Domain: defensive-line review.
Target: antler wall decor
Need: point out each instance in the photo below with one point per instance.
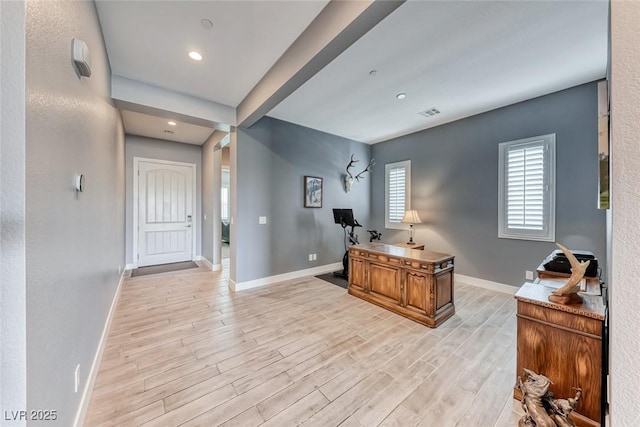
(348, 178)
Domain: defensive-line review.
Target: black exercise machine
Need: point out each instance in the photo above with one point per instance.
(345, 218)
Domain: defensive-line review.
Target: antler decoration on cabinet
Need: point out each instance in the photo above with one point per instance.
(568, 294)
(348, 178)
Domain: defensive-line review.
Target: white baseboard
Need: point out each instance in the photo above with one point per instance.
(95, 366)
(235, 287)
(129, 266)
(209, 265)
(206, 263)
(487, 284)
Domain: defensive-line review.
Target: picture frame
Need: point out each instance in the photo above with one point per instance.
(603, 145)
(312, 191)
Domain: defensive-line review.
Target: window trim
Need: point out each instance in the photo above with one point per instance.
(548, 235)
(387, 167)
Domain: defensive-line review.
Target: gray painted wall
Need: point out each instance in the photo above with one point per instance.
(13, 307)
(139, 146)
(455, 182)
(74, 242)
(272, 158)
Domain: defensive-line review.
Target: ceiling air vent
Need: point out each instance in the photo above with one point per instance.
(168, 131)
(430, 112)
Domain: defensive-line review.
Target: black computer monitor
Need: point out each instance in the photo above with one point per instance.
(344, 216)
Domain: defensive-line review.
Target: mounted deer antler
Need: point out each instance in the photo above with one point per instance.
(372, 162)
(348, 178)
(352, 162)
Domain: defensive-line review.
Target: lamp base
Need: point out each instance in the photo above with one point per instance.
(411, 242)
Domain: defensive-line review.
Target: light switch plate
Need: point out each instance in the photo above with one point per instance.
(262, 220)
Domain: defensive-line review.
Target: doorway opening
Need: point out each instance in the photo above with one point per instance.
(225, 203)
(164, 212)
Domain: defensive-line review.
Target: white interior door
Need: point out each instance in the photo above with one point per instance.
(165, 213)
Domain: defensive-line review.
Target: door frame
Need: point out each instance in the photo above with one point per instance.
(136, 201)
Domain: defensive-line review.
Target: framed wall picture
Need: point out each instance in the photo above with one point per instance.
(603, 144)
(312, 192)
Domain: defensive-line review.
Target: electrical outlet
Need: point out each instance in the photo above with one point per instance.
(528, 275)
(262, 220)
(315, 257)
(76, 379)
(310, 257)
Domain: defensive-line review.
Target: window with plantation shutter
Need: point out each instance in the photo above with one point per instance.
(398, 193)
(526, 189)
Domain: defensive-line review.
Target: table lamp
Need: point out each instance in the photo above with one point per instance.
(411, 217)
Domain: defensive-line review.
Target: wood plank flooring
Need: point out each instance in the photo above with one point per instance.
(185, 351)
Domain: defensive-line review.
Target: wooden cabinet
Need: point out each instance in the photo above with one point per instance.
(357, 274)
(563, 343)
(384, 281)
(412, 283)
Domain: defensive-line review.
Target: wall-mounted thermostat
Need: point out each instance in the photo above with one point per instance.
(79, 182)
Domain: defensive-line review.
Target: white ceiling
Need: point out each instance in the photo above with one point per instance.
(158, 127)
(149, 41)
(461, 57)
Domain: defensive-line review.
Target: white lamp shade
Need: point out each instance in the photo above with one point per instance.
(411, 217)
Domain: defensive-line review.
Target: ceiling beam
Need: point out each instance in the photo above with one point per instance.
(145, 98)
(338, 26)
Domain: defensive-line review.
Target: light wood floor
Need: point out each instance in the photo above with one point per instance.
(185, 351)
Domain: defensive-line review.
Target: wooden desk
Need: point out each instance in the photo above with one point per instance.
(416, 246)
(563, 343)
(415, 284)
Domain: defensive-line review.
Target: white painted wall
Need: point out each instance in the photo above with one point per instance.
(625, 204)
(13, 339)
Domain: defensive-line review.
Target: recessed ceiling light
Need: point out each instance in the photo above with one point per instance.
(196, 56)
(172, 123)
(401, 95)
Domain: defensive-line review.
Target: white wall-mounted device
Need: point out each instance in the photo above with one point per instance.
(81, 58)
(79, 182)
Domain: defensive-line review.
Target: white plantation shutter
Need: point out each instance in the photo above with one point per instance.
(526, 189)
(398, 192)
(397, 196)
